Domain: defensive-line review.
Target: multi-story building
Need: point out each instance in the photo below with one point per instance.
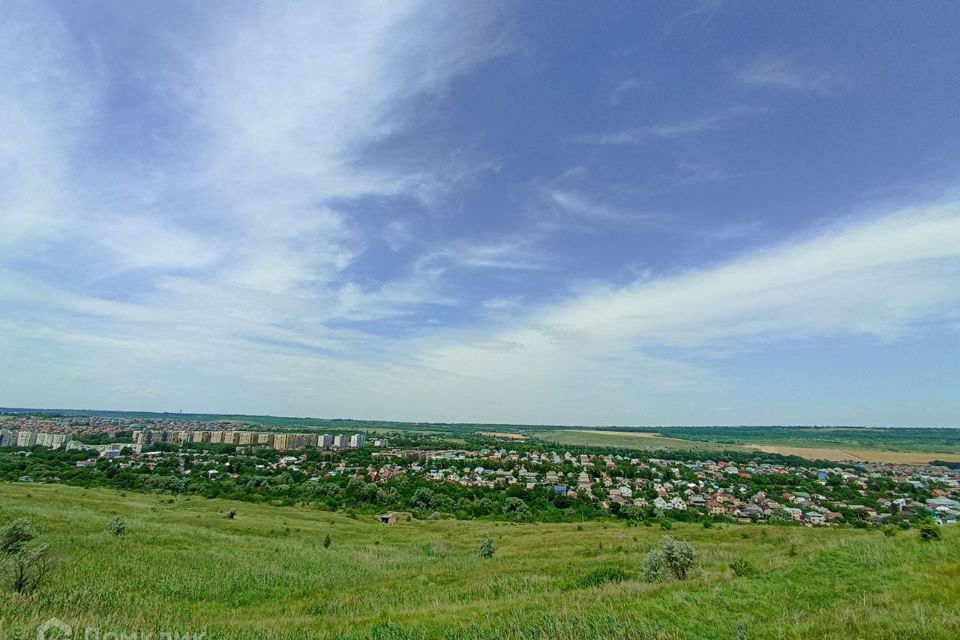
(143, 436)
(200, 437)
(26, 438)
(357, 440)
(265, 439)
(6, 438)
(325, 441)
(216, 437)
(247, 437)
(284, 441)
(381, 442)
(53, 440)
(231, 437)
(341, 441)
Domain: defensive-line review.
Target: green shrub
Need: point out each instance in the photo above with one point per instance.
(929, 532)
(672, 558)
(327, 541)
(117, 526)
(741, 567)
(487, 548)
(232, 514)
(24, 564)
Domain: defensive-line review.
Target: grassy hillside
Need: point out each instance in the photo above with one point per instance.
(183, 566)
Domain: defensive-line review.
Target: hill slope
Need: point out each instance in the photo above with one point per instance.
(184, 567)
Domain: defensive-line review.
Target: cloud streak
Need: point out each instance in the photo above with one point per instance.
(788, 74)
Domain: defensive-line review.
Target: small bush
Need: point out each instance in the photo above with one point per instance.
(487, 548)
(672, 557)
(327, 541)
(25, 563)
(929, 532)
(232, 514)
(741, 567)
(655, 566)
(601, 576)
(117, 526)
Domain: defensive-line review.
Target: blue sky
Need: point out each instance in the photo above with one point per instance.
(540, 212)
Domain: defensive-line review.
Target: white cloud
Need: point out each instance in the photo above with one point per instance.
(875, 278)
(44, 105)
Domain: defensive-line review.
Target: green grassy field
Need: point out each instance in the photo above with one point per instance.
(934, 441)
(908, 446)
(183, 566)
(627, 440)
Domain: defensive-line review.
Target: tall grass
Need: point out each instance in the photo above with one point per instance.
(183, 566)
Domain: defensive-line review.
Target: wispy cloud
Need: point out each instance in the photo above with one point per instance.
(570, 209)
(673, 130)
(870, 277)
(877, 279)
(788, 74)
(516, 252)
(626, 87)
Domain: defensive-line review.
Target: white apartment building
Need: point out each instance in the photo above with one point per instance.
(26, 438)
(53, 440)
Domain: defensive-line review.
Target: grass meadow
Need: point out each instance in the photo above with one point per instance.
(183, 566)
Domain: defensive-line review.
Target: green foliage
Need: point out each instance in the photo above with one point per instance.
(929, 532)
(672, 558)
(741, 567)
(117, 526)
(232, 514)
(24, 564)
(487, 548)
(327, 540)
(15, 536)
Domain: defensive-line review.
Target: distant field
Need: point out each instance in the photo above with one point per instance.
(927, 441)
(857, 455)
(909, 446)
(626, 440)
(183, 566)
